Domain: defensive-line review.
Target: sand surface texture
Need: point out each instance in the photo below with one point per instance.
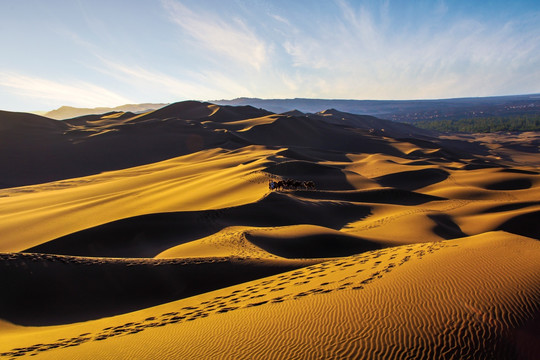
(157, 236)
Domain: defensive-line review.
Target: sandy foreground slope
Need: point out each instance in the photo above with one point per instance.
(476, 297)
(410, 245)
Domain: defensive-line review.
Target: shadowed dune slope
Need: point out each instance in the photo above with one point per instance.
(424, 301)
(148, 235)
(41, 150)
(308, 242)
(195, 110)
(371, 123)
(76, 289)
(413, 179)
(182, 110)
(20, 122)
(524, 224)
(97, 120)
(386, 195)
(316, 134)
(31, 145)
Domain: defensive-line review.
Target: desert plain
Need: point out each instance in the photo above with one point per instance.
(157, 236)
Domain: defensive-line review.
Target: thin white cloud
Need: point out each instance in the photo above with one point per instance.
(203, 85)
(231, 38)
(281, 19)
(308, 52)
(364, 56)
(362, 26)
(75, 93)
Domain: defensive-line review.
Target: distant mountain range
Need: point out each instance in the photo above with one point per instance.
(68, 112)
(408, 111)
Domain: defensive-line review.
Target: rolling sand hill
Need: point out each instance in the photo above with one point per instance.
(156, 235)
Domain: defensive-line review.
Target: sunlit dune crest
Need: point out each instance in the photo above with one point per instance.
(198, 231)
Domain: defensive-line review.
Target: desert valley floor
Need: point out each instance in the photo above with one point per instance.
(156, 236)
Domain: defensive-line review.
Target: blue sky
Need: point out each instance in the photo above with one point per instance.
(91, 53)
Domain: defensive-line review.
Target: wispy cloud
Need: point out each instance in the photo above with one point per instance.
(203, 85)
(75, 93)
(231, 38)
(372, 53)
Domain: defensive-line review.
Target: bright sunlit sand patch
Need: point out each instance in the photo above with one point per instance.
(207, 180)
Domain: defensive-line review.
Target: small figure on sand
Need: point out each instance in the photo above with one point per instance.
(291, 184)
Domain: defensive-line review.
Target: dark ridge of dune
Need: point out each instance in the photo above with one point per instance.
(33, 149)
(413, 179)
(439, 155)
(291, 153)
(524, 224)
(91, 120)
(446, 227)
(519, 171)
(23, 122)
(314, 155)
(204, 111)
(139, 236)
(280, 209)
(445, 149)
(325, 177)
(512, 184)
(419, 163)
(385, 196)
(293, 113)
(183, 110)
(149, 235)
(478, 164)
(313, 133)
(424, 144)
(236, 113)
(510, 207)
(371, 123)
(313, 246)
(529, 147)
(74, 289)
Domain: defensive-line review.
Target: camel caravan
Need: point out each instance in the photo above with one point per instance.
(291, 184)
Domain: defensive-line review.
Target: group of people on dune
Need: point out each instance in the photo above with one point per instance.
(291, 184)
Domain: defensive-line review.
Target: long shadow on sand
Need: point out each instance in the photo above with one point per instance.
(73, 289)
(385, 196)
(414, 179)
(524, 224)
(149, 235)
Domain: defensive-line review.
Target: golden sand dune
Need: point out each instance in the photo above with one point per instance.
(432, 300)
(157, 236)
(290, 242)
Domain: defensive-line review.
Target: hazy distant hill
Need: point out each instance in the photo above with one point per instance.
(68, 112)
(407, 111)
